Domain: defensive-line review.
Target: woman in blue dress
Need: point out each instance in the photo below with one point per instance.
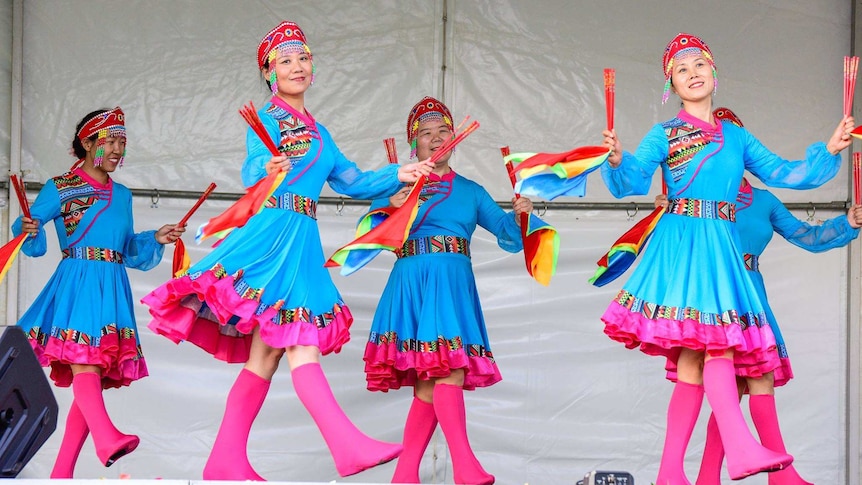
(263, 292)
(690, 299)
(759, 215)
(82, 324)
(428, 330)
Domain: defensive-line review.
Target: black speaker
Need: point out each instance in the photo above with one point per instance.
(607, 478)
(28, 409)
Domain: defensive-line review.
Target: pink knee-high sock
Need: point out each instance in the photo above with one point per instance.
(765, 418)
(452, 414)
(228, 459)
(420, 425)
(745, 456)
(682, 412)
(73, 440)
(713, 456)
(351, 449)
(110, 443)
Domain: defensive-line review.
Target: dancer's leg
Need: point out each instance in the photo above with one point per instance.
(110, 443)
(351, 449)
(73, 440)
(420, 425)
(745, 456)
(765, 418)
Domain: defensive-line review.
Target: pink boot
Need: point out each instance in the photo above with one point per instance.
(73, 440)
(765, 419)
(713, 456)
(682, 412)
(110, 443)
(745, 456)
(228, 459)
(450, 410)
(421, 422)
(352, 450)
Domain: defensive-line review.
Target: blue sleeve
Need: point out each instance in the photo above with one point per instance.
(634, 174)
(142, 251)
(818, 167)
(498, 222)
(834, 233)
(346, 178)
(378, 204)
(45, 209)
(257, 154)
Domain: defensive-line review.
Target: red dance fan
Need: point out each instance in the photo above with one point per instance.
(255, 196)
(851, 66)
(182, 261)
(391, 152)
(610, 92)
(857, 178)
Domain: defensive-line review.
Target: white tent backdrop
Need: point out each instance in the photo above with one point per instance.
(531, 73)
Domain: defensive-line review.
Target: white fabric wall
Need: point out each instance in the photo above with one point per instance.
(530, 72)
(5, 80)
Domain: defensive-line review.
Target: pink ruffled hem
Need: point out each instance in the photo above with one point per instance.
(664, 337)
(175, 307)
(780, 368)
(119, 359)
(388, 368)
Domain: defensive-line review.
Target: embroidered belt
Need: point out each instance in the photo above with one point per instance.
(93, 254)
(434, 244)
(293, 202)
(752, 262)
(706, 209)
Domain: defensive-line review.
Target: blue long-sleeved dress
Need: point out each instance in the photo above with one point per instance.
(757, 219)
(85, 313)
(691, 289)
(429, 319)
(269, 273)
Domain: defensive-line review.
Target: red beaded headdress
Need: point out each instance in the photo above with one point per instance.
(109, 123)
(727, 114)
(681, 45)
(426, 109)
(285, 38)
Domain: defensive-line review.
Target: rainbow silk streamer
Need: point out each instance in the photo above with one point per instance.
(10, 250)
(381, 229)
(550, 175)
(541, 240)
(626, 249)
(541, 247)
(242, 210)
(182, 261)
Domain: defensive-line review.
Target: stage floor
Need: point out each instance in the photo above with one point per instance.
(75, 481)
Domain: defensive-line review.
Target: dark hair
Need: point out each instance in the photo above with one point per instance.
(77, 146)
(265, 77)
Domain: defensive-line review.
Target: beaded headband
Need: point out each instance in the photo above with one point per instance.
(109, 123)
(683, 45)
(727, 114)
(285, 38)
(426, 109)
